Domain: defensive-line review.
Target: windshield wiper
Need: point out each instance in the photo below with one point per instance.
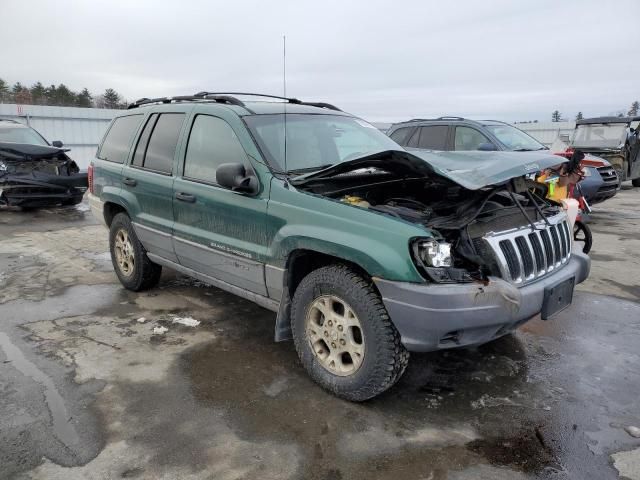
(299, 171)
(530, 149)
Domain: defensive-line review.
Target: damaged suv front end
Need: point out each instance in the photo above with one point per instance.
(493, 252)
(38, 175)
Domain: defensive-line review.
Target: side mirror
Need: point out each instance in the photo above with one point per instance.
(487, 147)
(57, 144)
(234, 177)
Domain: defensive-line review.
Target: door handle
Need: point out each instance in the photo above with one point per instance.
(185, 197)
(130, 181)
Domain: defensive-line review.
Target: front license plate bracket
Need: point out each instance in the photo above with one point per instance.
(557, 298)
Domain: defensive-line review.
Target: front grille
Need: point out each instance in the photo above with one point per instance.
(608, 174)
(523, 255)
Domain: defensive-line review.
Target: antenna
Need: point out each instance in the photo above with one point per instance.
(284, 88)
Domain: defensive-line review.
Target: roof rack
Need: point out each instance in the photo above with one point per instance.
(225, 97)
(9, 120)
(433, 119)
(186, 98)
(295, 101)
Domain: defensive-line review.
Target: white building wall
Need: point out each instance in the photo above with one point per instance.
(80, 129)
(548, 133)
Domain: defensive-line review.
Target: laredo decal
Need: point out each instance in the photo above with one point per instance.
(224, 248)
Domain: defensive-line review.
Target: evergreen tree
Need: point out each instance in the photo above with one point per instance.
(65, 97)
(579, 116)
(111, 99)
(39, 94)
(4, 91)
(51, 94)
(556, 116)
(84, 99)
(635, 107)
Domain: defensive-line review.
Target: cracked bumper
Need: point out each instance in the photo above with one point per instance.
(432, 317)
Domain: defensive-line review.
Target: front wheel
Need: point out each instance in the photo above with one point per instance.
(133, 268)
(344, 336)
(582, 234)
(635, 182)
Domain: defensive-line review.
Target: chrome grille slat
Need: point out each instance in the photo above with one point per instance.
(524, 255)
(538, 252)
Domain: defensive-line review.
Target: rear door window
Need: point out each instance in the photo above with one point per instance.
(143, 141)
(212, 142)
(116, 145)
(469, 139)
(433, 137)
(162, 144)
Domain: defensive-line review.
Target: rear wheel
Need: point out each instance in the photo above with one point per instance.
(130, 262)
(635, 182)
(343, 334)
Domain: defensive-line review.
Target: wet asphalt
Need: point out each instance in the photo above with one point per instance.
(87, 390)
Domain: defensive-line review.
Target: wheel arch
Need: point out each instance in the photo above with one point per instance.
(300, 262)
(110, 210)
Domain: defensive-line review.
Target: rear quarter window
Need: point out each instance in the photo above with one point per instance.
(117, 142)
(400, 136)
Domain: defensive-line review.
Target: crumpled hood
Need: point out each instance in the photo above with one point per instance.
(476, 169)
(24, 151)
(472, 170)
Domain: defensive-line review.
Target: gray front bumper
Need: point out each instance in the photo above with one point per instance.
(435, 316)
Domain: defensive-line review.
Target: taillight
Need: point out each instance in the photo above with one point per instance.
(90, 178)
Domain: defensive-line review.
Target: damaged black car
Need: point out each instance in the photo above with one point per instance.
(35, 174)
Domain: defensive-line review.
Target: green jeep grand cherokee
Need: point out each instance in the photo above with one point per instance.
(364, 250)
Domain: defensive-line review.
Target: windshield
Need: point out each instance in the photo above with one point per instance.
(21, 135)
(316, 141)
(514, 139)
(603, 135)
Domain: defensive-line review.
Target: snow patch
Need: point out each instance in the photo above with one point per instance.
(187, 321)
(633, 431)
(141, 320)
(160, 330)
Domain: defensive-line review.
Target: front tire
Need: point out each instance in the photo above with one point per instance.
(344, 336)
(582, 234)
(130, 262)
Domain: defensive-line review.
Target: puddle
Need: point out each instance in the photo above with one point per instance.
(62, 428)
(527, 451)
(422, 426)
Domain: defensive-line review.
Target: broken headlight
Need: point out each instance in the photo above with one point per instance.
(431, 253)
(434, 262)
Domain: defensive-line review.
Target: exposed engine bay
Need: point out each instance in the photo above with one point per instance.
(35, 175)
(455, 214)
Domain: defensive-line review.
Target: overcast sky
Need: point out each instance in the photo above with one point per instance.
(382, 60)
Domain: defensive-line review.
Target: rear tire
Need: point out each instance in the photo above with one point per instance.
(358, 354)
(635, 182)
(130, 262)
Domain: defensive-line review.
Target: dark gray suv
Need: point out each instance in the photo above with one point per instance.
(457, 133)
